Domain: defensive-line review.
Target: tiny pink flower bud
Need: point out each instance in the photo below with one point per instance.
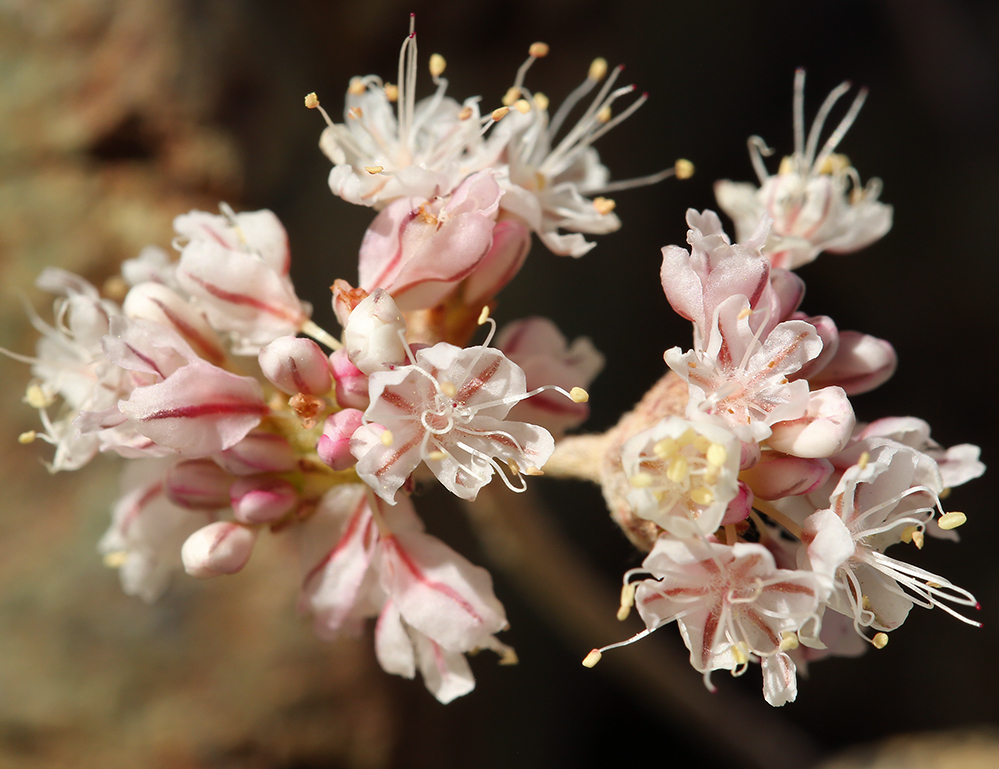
(219, 548)
(334, 444)
(258, 452)
(375, 333)
(198, 484)
(351, 382)
(261, 500)
(296, 365)
(345, 299)
(159, 303)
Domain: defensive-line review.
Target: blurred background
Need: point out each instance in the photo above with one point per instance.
(117, 115)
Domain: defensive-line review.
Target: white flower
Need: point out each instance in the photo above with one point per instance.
(447, 409)
(815, 199)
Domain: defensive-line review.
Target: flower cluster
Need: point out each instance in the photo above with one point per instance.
(772, 507)
(765, 508)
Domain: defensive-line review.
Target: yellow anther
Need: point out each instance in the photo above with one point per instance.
(386, 438)
(918, 538)
(739, 653)
(744, 313)
(514, 467)
(499, 113)
(523, 106)
(627, 601)
(511, 95)
(540, 101)
(115, 560)
(665, 448)
(641, 480)
(532, 470)
(683, 169)
(864, 459)
(115, 287)
(604, 205)
(356, 87)
(913, 534)
(36, 397)
(27, 437)
(701, 444)
(448, 388)
(392, 92)
(598, 69)
(355, 113)
(880, 640)
(374, 169)
(466, 113)
(786, 166)
(702, 496)
(835, 164)
(592, 658)
(711, 473)
(484, 314)
(716, 455)
(579, 395)
(437, 456)
(538, 50)
(677, 470)
(788, 641)
(311, 100)
(688, 437)
(508, 656)
(437, 65)
(952, 520)
(604, 115)
(865, 603)
(934, 584)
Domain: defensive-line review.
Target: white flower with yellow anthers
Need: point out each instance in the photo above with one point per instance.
(684, 475)
(558, 185)
(391, 146)
(815, 199)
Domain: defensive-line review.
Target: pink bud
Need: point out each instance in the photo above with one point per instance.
(261, 500)
(219, 548)
(198, 484)
(778, 475)
(159, 303)
(351, 382)
(334, 444)
(296, 365)
(822, 432)
(258, 452)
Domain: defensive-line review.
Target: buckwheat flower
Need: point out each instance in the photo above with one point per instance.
(881, 502)
(419, 250)
(815, 199)
(364, 558)
(237, 270)
(684, 475)
(447, 409)
(391, 146)
(731, 605)
(556, 182)
(147, 530)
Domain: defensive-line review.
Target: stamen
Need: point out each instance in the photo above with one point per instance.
(374, 169)
(391, 92)
(386, 438)
(598, 69)
(522, 106)
(312, 102)
(538, 50)
(684, 169)
(880, 640)
(541, 101)
(357, 87)
(604, 205)
(578, 395)
(27, 437)
(627, 600)
(788, 641)
(499, 113)
(437, 66)
(952, 520)
(592, 658)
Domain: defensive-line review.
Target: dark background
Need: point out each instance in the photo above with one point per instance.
(716, 73)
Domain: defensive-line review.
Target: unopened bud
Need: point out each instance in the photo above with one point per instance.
(198, 484)
(296, 365)
(351, 382)
(259, 452)
(219, 548)
(333, 446)
(375, 333)
(261, 500)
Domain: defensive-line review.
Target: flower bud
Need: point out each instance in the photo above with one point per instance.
(375, 333)
(334, 444)
(259, 452)
(219, 548)
(261, 500)
(296, 365)
(351, 382)
(198, 484)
